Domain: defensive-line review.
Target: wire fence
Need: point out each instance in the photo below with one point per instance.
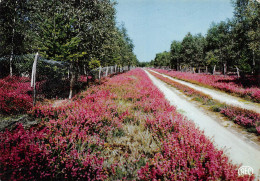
(25, 79)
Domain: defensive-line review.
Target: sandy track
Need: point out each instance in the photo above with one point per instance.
(239, 151)
(220, 96)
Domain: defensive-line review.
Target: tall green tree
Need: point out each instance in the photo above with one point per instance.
(14, 26)
(252, 15)
(73, 31)
(233, 43)
(219, 41)
(193, 50)
(245, 23)
(162, 59)
(187, 49)
(176, 56)
(199, 54)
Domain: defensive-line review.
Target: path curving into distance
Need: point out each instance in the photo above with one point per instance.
(238, 150)
(218, 95)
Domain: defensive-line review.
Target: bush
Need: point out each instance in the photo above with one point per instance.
(15, 95)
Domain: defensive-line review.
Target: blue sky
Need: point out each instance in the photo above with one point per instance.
(154, 24)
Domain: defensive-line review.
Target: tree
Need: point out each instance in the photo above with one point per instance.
(187, 49)
(230, 43)
(193, 50)
(176, 57)
(252, 15)
(162, 59)
(127, 48)
(220, 41)
(73, 31)
(211, 60)
(199, 54)
(13, 29)
(241, 29)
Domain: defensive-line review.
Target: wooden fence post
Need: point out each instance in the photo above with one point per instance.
(33, 78)
(238, 75)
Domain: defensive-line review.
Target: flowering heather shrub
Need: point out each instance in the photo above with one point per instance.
(72, 142)
(227, 84)
(186, 153)
(14, 96)
(243, 117)
(37, 155)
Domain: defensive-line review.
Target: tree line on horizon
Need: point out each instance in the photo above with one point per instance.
(233, 44)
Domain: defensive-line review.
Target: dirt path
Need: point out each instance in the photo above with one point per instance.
(238, 150)
(220, 96)
(58, 103)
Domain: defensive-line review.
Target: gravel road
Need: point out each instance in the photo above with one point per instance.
(220, 96)
(238, 150)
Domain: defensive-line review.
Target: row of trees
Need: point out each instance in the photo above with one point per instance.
(81, 32)
(65, 30)
(230, 44)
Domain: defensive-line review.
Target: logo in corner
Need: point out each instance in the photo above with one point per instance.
(245, 170)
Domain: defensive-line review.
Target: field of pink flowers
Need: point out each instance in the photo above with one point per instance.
(94, 137)
(14, 97)
(228, 84)
(248, 119)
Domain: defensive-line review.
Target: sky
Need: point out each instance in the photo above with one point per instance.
(154, 24)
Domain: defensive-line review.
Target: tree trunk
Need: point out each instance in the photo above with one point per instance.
(11, 60)
(78, 72)
(238, 75)
(33, 78)
(99, 73)
(214, 70)
(87, 80)
(107, 72)
(253, 69)
(193, 70)
(72, 80)
(85, 71)
(206, 69)
(12, 50)
(225, 69)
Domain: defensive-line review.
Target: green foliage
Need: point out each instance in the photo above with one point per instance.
(123, 48)
(211, 58)
(176, 56)
(14, 27)
(144, 64)
(118, 132)
(162, 59)
(231, 43)
(217, 107)
(71, 31)
(94, 63)
(192, 49)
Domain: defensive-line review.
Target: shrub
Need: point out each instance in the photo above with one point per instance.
(14, 95)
